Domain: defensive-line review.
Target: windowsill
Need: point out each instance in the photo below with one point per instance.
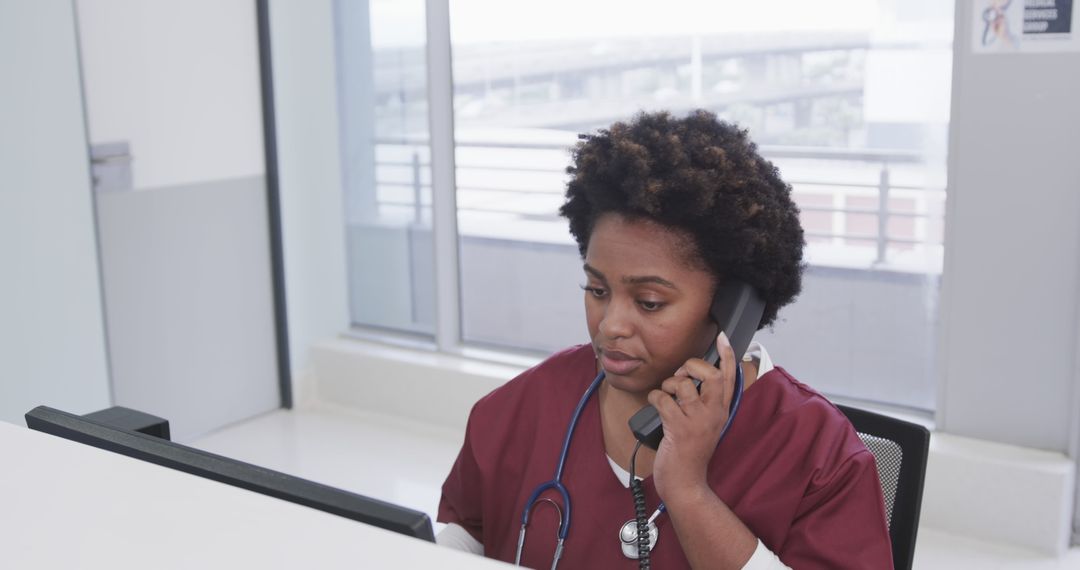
(394, 344)
(425, 385)
(519, 359)
(973, 488)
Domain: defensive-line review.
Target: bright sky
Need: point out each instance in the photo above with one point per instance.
(401, 22)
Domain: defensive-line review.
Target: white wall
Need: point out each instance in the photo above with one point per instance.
(1011, 282)
(1011, 288)
(147, 68)
(52, 342)
(189, 302)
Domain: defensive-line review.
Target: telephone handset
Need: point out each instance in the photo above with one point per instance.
(737, 309)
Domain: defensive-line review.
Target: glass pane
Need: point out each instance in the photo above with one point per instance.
(850, 100)
(382, 100)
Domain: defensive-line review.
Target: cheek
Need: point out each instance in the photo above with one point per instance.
(679, 341)
(592, 318)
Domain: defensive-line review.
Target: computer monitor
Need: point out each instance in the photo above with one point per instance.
(232, 472)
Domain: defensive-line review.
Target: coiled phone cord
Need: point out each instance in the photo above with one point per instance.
(640, 513)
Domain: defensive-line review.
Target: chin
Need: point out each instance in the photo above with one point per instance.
(630, 384)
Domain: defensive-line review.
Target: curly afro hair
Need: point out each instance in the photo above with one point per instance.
(700, 176)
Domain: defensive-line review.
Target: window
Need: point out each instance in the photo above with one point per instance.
(850, 100)
(382, 102)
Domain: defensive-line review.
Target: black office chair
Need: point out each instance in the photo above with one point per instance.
(900, 449)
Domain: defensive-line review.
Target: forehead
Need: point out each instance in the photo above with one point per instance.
(636, 246)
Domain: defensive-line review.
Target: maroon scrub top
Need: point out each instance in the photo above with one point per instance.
(791, 467)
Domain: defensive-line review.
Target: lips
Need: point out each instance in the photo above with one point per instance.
(620, 363)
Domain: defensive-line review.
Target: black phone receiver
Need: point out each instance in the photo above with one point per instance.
(737, 309)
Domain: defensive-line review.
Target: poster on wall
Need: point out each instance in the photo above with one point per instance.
(1019, 26)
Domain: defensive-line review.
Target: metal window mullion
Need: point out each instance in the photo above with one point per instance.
(440, 92)
(883, 214)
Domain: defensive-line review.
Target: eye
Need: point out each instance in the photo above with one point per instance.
(597, 292)
(650, 306)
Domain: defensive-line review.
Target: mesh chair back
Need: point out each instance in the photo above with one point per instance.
(889, 457)
(900, 449)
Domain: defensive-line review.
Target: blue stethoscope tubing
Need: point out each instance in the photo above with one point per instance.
(556, 482)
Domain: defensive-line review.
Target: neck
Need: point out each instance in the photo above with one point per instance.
(616, 407)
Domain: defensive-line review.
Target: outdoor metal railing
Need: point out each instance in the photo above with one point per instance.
(526, 181)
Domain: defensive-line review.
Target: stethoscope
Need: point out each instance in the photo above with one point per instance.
(990, 16)
(628, 532)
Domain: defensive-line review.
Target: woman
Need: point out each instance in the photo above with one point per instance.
(665, 211)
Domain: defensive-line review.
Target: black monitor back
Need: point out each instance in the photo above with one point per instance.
(232, 472)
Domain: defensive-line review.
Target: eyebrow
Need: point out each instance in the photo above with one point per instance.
(633, 279)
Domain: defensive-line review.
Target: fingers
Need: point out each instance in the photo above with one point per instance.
(717, 384)
(680, 396)
(683, 391)
(668, 408)
(728, 363)
(727, 358)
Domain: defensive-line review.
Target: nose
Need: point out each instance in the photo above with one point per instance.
(617, 321)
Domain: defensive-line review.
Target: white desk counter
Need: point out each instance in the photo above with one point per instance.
(67, 505)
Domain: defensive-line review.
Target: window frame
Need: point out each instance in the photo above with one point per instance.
(440, 85)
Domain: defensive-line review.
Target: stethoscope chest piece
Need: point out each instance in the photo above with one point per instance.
(628, 538)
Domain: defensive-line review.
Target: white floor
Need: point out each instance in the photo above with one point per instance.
(405, 463)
